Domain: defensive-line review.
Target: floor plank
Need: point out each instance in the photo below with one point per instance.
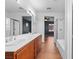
(49, 50)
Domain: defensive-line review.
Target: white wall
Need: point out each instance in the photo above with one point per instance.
(34, 19)
(61, 27)
(34, 24)
(40, 20)
(40, 25)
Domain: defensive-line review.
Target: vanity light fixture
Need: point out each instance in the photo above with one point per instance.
(29, 11)
(22, 9)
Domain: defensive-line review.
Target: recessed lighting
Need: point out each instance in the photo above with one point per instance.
(20, 8)
(49, 8)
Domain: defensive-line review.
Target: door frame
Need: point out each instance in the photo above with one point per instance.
(69, 29)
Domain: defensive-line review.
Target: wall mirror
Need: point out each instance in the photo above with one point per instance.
(12, 27)
(18, 20)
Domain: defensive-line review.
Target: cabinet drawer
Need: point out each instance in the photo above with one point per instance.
(9, 55)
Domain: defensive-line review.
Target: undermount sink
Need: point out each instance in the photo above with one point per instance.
(12, 41)
(16, 40)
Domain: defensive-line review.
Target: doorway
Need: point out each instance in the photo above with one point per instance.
(49, 26)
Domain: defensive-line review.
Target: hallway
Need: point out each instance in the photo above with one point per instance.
(49, 50)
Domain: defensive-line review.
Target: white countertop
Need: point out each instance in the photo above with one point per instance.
(20, 43)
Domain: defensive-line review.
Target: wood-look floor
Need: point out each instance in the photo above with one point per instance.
(49, 50)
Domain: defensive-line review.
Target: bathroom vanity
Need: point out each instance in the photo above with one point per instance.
(27, 49)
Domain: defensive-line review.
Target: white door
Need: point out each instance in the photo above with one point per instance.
(16, 28)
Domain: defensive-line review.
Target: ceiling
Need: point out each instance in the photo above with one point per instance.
(38, 5)
(42, 5)
(13, 6)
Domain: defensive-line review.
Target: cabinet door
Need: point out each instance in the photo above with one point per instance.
(27, 52)
(37, 45)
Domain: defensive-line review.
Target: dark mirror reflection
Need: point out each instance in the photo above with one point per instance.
(26, 24)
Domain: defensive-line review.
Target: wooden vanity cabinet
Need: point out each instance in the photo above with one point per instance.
(26, 52)
(29, 51)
